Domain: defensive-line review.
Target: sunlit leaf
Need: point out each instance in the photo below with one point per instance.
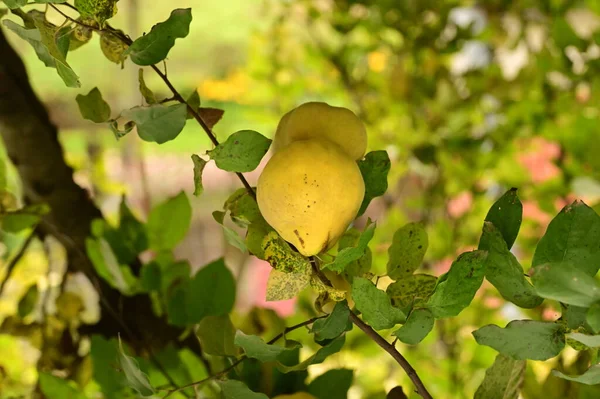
(93, 107)
(282, 286)
(241, 152)
(503, 379)
(281, 257)
(99, 10)
(144, 89)
(418, 324)
(107, 266)
(375, 305)
(524, 339)
(572, 237)
(169, 222)
(155, 46)
(463, 280)
(374, 169)
(158, 123)
(12, 4)
(406, 253)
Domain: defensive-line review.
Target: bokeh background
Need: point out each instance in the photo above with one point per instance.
(468, 98)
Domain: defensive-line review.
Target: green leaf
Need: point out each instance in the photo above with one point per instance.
(406, 253)
(56, 388)
(107, 266)
(565, 283)
(590, 377)
(93, 107)
(504, 271)
(524, 339)
(419, 323)
(199, 165)
(573, 316)
(232, 389)
(257, 235)
(375, 305)
(317, 358)
(231, 235)
(592, 341)
(333, 384)
(243, 208)
(158, 123)
(572, 237)
(210, 293)
(282, 286)
(169, 222)
(413, 290)
(374, 169)
(217, 334)
(144, 90)
(13, 4)
(114, 127)
(593, 317)
(14, 222)
(335, 324)
(503, 379)
(361, 266)
(99, 10)
(279, 255)
(28, 301)
(457, 291)
(506, 214)
(132, 231)
(352, 254)
(155, 46)
(194, 102)
(57, 46)
(136, 379)
(241, 152)
(255, 348)
(104, 354)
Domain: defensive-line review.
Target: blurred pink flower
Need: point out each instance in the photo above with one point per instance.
(537, 158)
(460, 204)
(532, 211)
(255, 289)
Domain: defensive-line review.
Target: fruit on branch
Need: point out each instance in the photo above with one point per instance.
(310, 191)
(317, 120)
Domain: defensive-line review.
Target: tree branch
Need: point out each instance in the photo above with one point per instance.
(391, 349)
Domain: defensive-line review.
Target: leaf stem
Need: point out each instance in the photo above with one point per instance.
(391, 349)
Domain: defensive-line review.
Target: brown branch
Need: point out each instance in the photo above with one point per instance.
(391, 349)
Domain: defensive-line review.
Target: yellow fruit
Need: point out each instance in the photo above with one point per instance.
(309, 192)
(297, 395)
(315, 120)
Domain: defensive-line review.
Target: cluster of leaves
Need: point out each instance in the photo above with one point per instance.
(564, 266)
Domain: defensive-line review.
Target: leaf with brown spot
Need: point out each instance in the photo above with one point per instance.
(210, 116)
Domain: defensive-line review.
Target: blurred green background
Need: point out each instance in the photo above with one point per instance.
(468, 98)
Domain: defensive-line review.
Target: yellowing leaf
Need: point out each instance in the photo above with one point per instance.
(282, 286)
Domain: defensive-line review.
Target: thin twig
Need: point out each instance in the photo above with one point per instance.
(243, 357)
(391, 349)
(17, 258)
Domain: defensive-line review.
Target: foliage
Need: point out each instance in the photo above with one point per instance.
(466, 128)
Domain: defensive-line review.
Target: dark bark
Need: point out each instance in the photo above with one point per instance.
(31, 141)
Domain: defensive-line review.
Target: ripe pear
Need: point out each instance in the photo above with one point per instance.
(316, 120)
(310, 191)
